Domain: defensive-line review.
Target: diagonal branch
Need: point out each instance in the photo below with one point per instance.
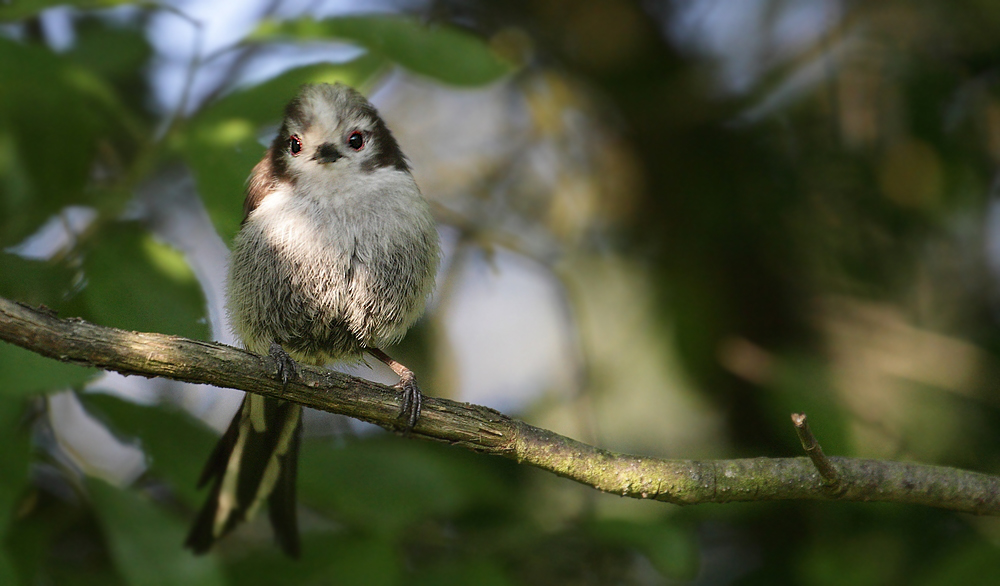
(485, 430)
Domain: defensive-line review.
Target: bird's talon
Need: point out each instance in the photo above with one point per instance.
(410, 403)
(288, 369)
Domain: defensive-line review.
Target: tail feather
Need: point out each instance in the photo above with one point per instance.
(281, 503)
(255, 459)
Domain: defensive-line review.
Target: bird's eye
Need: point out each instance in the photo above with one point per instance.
(356, 140)
(294, 145)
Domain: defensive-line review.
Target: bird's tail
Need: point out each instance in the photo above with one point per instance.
(255, 459)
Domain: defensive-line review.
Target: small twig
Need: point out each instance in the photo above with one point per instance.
(815, 452)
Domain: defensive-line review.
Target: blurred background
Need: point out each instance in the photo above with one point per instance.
(667, 225)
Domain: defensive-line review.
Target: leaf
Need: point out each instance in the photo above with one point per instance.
(671, 549)
(135, 282)
(52, 122)
(20, 9)
(222, 143)
(383, 484)
(176, 445)
(145, 542)
(326, 559)
(7, 574)
(442, 52)
(34, 282)
(461, 572)
(22, 372)
(14, 459)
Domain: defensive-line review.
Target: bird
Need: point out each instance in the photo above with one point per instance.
(335, 259)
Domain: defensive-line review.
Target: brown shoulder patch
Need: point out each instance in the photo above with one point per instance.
(261, 182)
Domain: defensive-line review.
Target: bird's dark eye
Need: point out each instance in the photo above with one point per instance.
(294, 145)
(356, 140)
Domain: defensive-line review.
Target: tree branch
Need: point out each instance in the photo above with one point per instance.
(485, 430)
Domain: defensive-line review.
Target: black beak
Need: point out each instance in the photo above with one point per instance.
(327, 153)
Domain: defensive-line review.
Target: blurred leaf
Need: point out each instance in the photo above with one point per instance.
(874, 556)
(23, 372)
(117, 52)
(145, 542)
(19, 9)
(801, 385)
(223, 142)
(14, 457)
(34, 282)
(55, 538)
(385, 484)
(326, 559)
(52, 122)
(462, 572)
(135, 282)
(969, 563)
(671, 549)
(175, 444)
(7, 575)
(443, 52)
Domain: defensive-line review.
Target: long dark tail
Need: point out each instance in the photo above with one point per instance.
(256, 459)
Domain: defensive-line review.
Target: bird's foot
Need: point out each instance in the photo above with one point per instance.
(288, 369)
(411, 402)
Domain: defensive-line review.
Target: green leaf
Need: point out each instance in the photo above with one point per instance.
(176, 445)
(965, 563)
(135, 282)
(146, 543)
(442, 52)
(34, 282)
(326, 559)
(23, 372)
(7, 574)
(462, 572)
(222, 143)
(19, 9)
(671, 549)
(63, 111)
(14, 460)
(384, 484)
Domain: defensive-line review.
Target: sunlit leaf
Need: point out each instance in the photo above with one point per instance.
(145, 541)
(52, 122)
(135, 282)
(224, 141)
(442, 52)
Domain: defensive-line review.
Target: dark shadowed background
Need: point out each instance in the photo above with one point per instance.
(667, 226)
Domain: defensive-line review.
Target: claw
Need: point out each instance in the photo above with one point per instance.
(411, 401)
(288, 369)
(409, 408)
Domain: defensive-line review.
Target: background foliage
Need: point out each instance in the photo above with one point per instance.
(741, 210)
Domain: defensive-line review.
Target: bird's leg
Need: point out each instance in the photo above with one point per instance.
(412, 398)
(287, 368)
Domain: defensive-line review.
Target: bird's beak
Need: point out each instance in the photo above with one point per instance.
(327, 153)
